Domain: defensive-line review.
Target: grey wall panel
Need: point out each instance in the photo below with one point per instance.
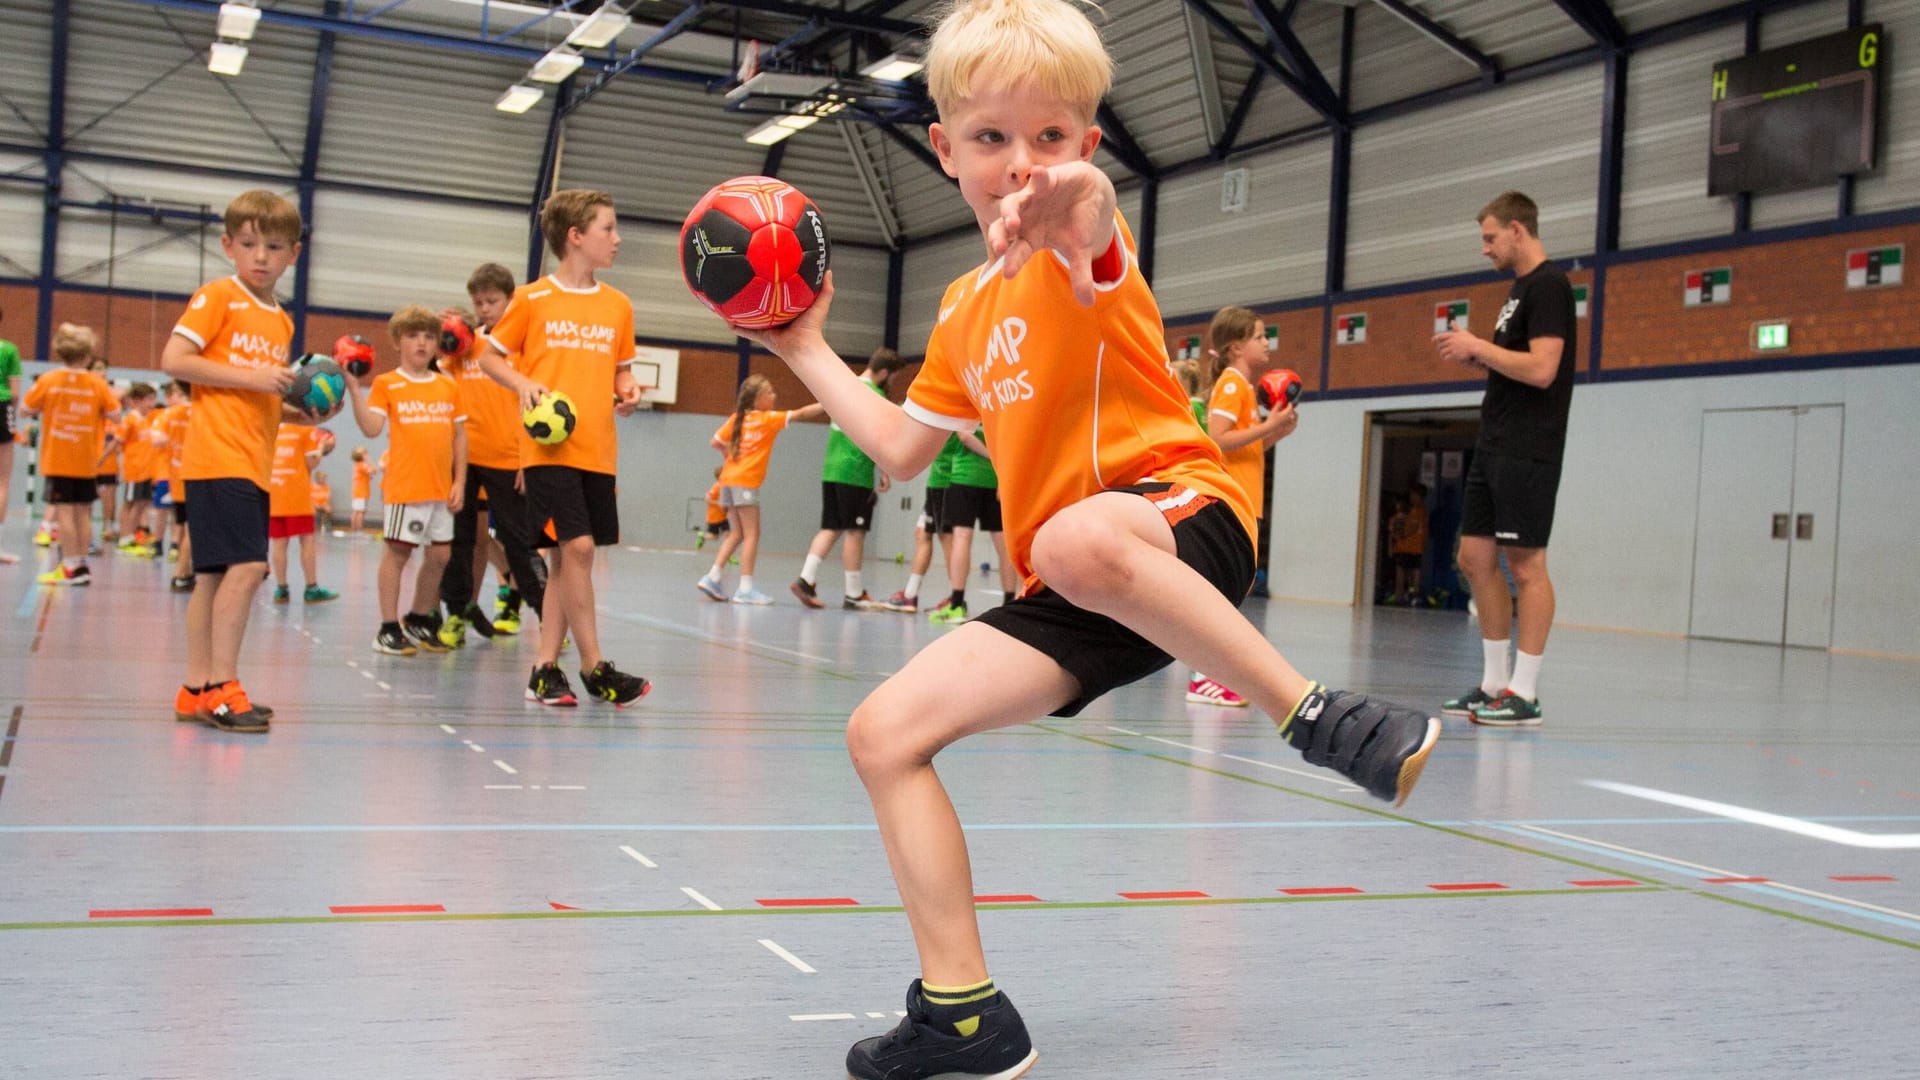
(23, 87)
(375, 252)
(857, 325)
(1664, 171)
(138, 85)
(649, 273)
(1896, 182)
(1512, 32)
(21, 211)
(1419, 179)
(1275, 248)
(1638, 15)
(665, 462)
(423, 120)
(931, 267)
(818, 162)
(1276, 109)
(141, 254)
(1392, 60)
(657, 147)
(1159, 101)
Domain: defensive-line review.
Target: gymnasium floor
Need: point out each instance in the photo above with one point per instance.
(693, 888)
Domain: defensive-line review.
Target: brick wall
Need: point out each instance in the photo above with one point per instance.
(19, 316)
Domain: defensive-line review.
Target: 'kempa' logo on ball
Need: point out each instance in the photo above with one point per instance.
(706, 247)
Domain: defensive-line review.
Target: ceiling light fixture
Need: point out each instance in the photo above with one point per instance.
(519, 98)
(897, 67)
(237, 21)
(600, 28)
(226, 58)
(557, 65)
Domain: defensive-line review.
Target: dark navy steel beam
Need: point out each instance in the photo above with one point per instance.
(1275, 23)
(309, 169)
(907, 142)
(1120, 143)
(1340, 175)
(1238, 118)
(896, 285)
(1260, 55)
(543, 183)
(1743, 201)
(770, 165)
(1446, 38)
(1613, 138)
(1148, 238)
(54, 165)
(1856, 14)
(1597, 19)
(674, 28)
(837, 19)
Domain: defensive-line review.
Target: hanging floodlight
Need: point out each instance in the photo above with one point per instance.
(557, 65)
(519, 98)
(226, 58)
(237, 21)
(600, 28)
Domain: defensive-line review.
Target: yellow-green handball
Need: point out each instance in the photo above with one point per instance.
(551, 419)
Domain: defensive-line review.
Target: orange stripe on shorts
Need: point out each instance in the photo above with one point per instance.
(1178, 503)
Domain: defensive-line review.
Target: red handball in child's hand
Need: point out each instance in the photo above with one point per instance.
(354, 353)
(1280, 386)
(755, 251)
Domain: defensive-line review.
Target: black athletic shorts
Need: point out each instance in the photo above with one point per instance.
(179, 513)
(564, 502)
(1100, 653)
(71, 489)
(107, 479)
(140, 491)
(228, 519)
(846, 507)
(1510, 499)
(6, 422)
(968, 506)
(933, 518)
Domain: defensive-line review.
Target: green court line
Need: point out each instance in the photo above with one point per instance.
(702, 913)
(1488, 840)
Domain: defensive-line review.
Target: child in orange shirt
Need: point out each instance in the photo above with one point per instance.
(132, 437)
(74, 405)
(1130, 537)
(427, 440)
(363, 471)
(746, 440)
(296, 451)
(233, 342)
(322, 497)
(572, 333)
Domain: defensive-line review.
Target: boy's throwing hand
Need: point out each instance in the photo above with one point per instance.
(1068, 208)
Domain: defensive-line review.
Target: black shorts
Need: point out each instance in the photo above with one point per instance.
(933, 515)
(228, 518)
(140, 491)
(6, 422)
(107, 479)
(846, 507)
(179, 513)
(715, 528)
(1100, 653)
(564, 502)
(967, 506)
(71, 489)
(1510, 499)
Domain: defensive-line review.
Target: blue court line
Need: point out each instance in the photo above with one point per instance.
(1750, 886)
(1062, 826)
(27, 601)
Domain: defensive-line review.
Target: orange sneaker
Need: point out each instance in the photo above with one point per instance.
(226, 707)
(186, 705)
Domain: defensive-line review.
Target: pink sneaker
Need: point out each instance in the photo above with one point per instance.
(1204, 691)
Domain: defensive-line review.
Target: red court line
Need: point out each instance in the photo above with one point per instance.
(387, 909)
(1604, 883)
(1468, 886)
(1189, 894)
(1735, 880)
(1340, 890)
(1860, 877)
(560, 907)
(151, 913)
(1009, 898)
(816, 901)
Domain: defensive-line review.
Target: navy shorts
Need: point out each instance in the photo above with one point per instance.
(228, 520)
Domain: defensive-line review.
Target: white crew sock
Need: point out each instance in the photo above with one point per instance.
(746, 584)
(855, 586)
(913, 586)
(810, 570)
(713, 573)
(1494, 673)
(1526, 676)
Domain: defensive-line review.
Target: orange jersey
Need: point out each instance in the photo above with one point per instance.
(170, 428)
(748, 468)
(1074, 400)
(1233, 401)
(493, 413)
(421, 413)
(573, 341)
(73, 407)
(363, 480)
(138, 455)
(291, 492)
(322, 497)
(108, 463)
(232, 430)
(715, 512)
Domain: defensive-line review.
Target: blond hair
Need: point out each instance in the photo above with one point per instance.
(1511, 206)
(1230, 326)
(73, 343)
(1188, 372)
(567, 210)
(272, 216)
(750, 391)
(1049, 44)
(413, 319)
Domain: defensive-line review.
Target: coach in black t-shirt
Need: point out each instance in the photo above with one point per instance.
(1516, 465)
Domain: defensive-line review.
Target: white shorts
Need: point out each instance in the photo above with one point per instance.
(359, 506)
(739, 496)
(419, 523)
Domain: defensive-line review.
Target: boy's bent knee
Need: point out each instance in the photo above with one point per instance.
(1080, 557)
(880, 741)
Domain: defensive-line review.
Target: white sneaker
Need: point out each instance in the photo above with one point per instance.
(754, 597)
(711, 587)
(8, 558)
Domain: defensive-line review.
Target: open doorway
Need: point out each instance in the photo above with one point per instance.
(1415, 474)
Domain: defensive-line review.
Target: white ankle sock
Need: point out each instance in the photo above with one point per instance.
(1526, 676)
(913, 585)
(1494, 673)
(810, 570)
(746, 584)
(855, 586)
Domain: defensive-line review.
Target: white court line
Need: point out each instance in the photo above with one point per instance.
(353, 663)
(717, 639)
(799, 964)
(1181, 745)
(506, 768)
(876, 1016)
(381, 685)
(1123, 731)
(1831, 833)
(639, 858)
(694, 894)
(448, 728)
(804, 1018)
(503, 787)
(476, 748)
(1717, 872)
(366, 673)
(1284, 769)
(566, 787)
(317, 641)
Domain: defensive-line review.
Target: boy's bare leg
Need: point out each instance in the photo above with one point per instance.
(959, 554)
(392, 565)
(277, 557)
(309, 559)
(750, 538)
(75, 521)
(853, 553)
(569, 604)
(232, 602)
(426, 585)
(1009, 584)
(200, 629)
(893, 737)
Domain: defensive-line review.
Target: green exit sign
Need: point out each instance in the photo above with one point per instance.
(1768, 336)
